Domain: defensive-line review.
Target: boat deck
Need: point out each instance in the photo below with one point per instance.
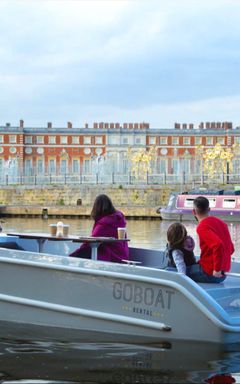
(226, 294)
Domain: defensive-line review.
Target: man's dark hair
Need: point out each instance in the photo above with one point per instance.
(102, 206)
(201, 204)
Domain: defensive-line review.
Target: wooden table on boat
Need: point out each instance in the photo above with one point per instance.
(93, 242)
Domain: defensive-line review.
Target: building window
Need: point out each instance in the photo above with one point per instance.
(138, 140)
(28, 139)
(152, 140)
(186, 140)
(237, 139)
(12, 139)
(112, 140)
(163, 166)
(125, 140)
(51, 139)
(1, 139)
(87, 140)
(98, 140)
(209, 140)
(175, 166)
(75, 140)
(52, 166)
(28, 167)
(87, 166)
(63, 140)
(186, 166)
(175, 140)
(40, 139)
(163, 140)
(40, 169)
(75, 166)
(198, 140)
(63, 167)
(221, 140)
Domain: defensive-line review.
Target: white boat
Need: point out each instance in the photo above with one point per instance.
(51, 295)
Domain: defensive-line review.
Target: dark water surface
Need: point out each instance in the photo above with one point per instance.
(41, 361)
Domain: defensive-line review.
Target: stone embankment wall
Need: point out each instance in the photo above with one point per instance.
(78, 200)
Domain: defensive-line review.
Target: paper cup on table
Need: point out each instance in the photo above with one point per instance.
(65, 230)
(53, 229)
(121, 233)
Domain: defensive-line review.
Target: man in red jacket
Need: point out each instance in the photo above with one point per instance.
(215, 244)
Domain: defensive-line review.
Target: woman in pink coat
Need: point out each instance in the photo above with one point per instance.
(106, 222)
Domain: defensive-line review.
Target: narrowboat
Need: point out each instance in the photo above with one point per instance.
(223, 204)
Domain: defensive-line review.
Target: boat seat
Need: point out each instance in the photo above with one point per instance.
(148, 257)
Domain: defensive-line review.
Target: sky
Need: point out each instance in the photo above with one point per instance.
(85, 61)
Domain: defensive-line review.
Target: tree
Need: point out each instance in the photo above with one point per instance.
(217, 160)
(141, 161)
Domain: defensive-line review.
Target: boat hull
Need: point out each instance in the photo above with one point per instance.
(68, 297)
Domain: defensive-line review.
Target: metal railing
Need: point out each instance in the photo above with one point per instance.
(121, 179)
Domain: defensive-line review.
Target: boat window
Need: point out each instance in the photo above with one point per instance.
(188, 203)
(172, 200)
(229, 203)
(212, 202)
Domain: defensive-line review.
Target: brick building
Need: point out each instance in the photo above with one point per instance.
(71, 150)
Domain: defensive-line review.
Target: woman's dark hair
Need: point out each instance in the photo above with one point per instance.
(102, 206)
(201, 205)
(176, 234)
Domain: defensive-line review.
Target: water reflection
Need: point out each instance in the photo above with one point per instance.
(62, 362)
(143, 233)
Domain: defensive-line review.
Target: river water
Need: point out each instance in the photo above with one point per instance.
(38, 361)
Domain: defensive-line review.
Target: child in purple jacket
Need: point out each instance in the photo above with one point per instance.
(106, 222)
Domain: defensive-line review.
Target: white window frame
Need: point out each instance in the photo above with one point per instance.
(186, 141)
(163, 140)
(28, 140)
(75, 139)
(98, 140)
(152, 140)
(198, 140)
(209, 140)
(63, 139)
(40, 139)
(51, 139)
(87, 140)
(12, 139)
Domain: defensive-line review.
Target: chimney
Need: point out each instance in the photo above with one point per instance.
(184, 126)
(86, 125)
(49, 125)
(177, 126)
(125, 125)
(191, 126)
(69, 125)
(201, 125)
(213, 125)
(21, 123)
(117, 125)
(135, 125)
(130, 125)
(111, 125)
(95, 125)
(106, 125)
